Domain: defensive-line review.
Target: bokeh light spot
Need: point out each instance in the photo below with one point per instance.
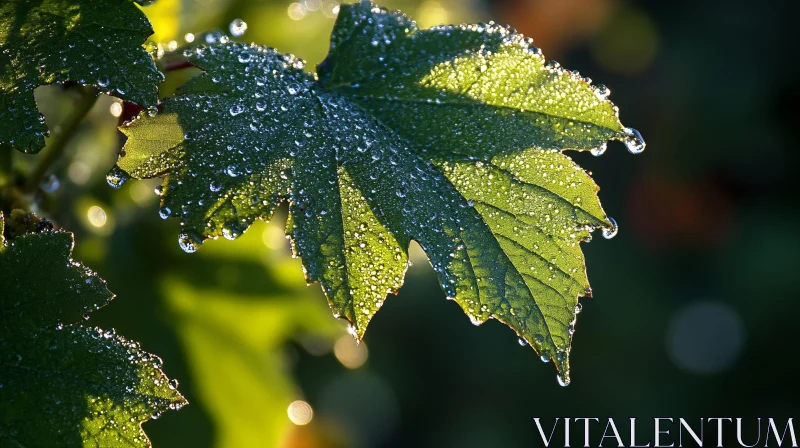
(330, 8)
(297, 11)
(628, 44)
(350, 353)
(116, 109)
(300, 412)
(705, 337)
(431, 13)
(96, 216)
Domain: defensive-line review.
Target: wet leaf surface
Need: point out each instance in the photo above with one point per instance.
(90, 42)
(450, 136)
(62, 384)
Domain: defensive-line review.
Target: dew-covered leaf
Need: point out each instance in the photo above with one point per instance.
(91, 42)
(464, 91)
(62, 384)
(404, 136)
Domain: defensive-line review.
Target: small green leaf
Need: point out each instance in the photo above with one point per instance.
(451, 137)
(62, 384)
(91, 42)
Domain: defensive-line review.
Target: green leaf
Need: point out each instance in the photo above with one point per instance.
(450, 137)
(91, 42)
(63, 384)
(234, 333)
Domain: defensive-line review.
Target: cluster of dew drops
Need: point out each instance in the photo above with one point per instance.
(633, 140)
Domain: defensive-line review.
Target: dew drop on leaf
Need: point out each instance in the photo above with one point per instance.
(187, 244)
(116, 178)
(609, 233)
(237, 27)
(634, 142)
(600, 150)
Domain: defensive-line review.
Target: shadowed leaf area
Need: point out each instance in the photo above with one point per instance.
(62, 384)
(450, 136)
(90, 42)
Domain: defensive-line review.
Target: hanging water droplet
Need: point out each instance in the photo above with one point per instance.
(634, 142)
(187, 244)
(158, 190)
(116, 177)
(597, 152)
(563, 380)
(544, 358)
(522, 342)
(173, 384)
(609, 233)
(164, 212)
(237, 27)
(578, 308)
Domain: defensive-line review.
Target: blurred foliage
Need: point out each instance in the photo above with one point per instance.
(707, 213)
(234, 335)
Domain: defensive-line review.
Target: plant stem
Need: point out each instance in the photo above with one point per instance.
(57, 143)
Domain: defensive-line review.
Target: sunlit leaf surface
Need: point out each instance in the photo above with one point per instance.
(450, 136)
(62, 384)
(91, 42)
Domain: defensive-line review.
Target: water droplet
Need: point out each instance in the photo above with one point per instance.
(522, 342)
(563, 380)
(609, 233)
(116, 177)
(293, 89)
(597, 152)
(187, 244)
(232, 171)
(164, 212)
(578, 308)
(634, 142)
(602, 91)
(544, 358)
(237, 27)
(236, 109)
(214, 186)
